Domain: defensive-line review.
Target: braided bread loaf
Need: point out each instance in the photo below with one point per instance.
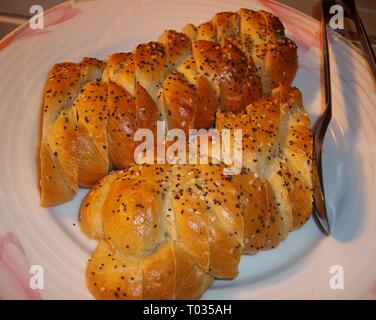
(90, 117)
(166, 231)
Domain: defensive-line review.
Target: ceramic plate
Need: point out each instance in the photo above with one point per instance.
(300, 267)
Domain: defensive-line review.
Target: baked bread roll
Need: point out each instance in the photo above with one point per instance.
(185, 78)
(166, 231)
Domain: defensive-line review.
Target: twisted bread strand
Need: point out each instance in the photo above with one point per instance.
(58, 153)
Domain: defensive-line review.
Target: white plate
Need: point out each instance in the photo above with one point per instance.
(51, 238)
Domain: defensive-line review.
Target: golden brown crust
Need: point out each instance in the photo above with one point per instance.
(147, 112)
(181, 101)
(111, 275)
(158, 273)
(143, 246)
(206, 31)
(62, 86)
(189, 69)
(91, 69)
(227, 25)
(61, 142)
(265, 119)
(226, 223)
(275, 55)
(134, 204)
(54, 189)
(228, 120)
(207, 104)
(169, 274)
(242, 84)
(190, 280)
(178, 47)
(91, 145)
(90, 213)
(232, 76)
(256, 214)
(277, 145)
(190, 31)
(120, 69)
(281, 195)
(299, 192)
(150, 66)
(58, 155)
(276, 226)
(191, 220)
(121, 126)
